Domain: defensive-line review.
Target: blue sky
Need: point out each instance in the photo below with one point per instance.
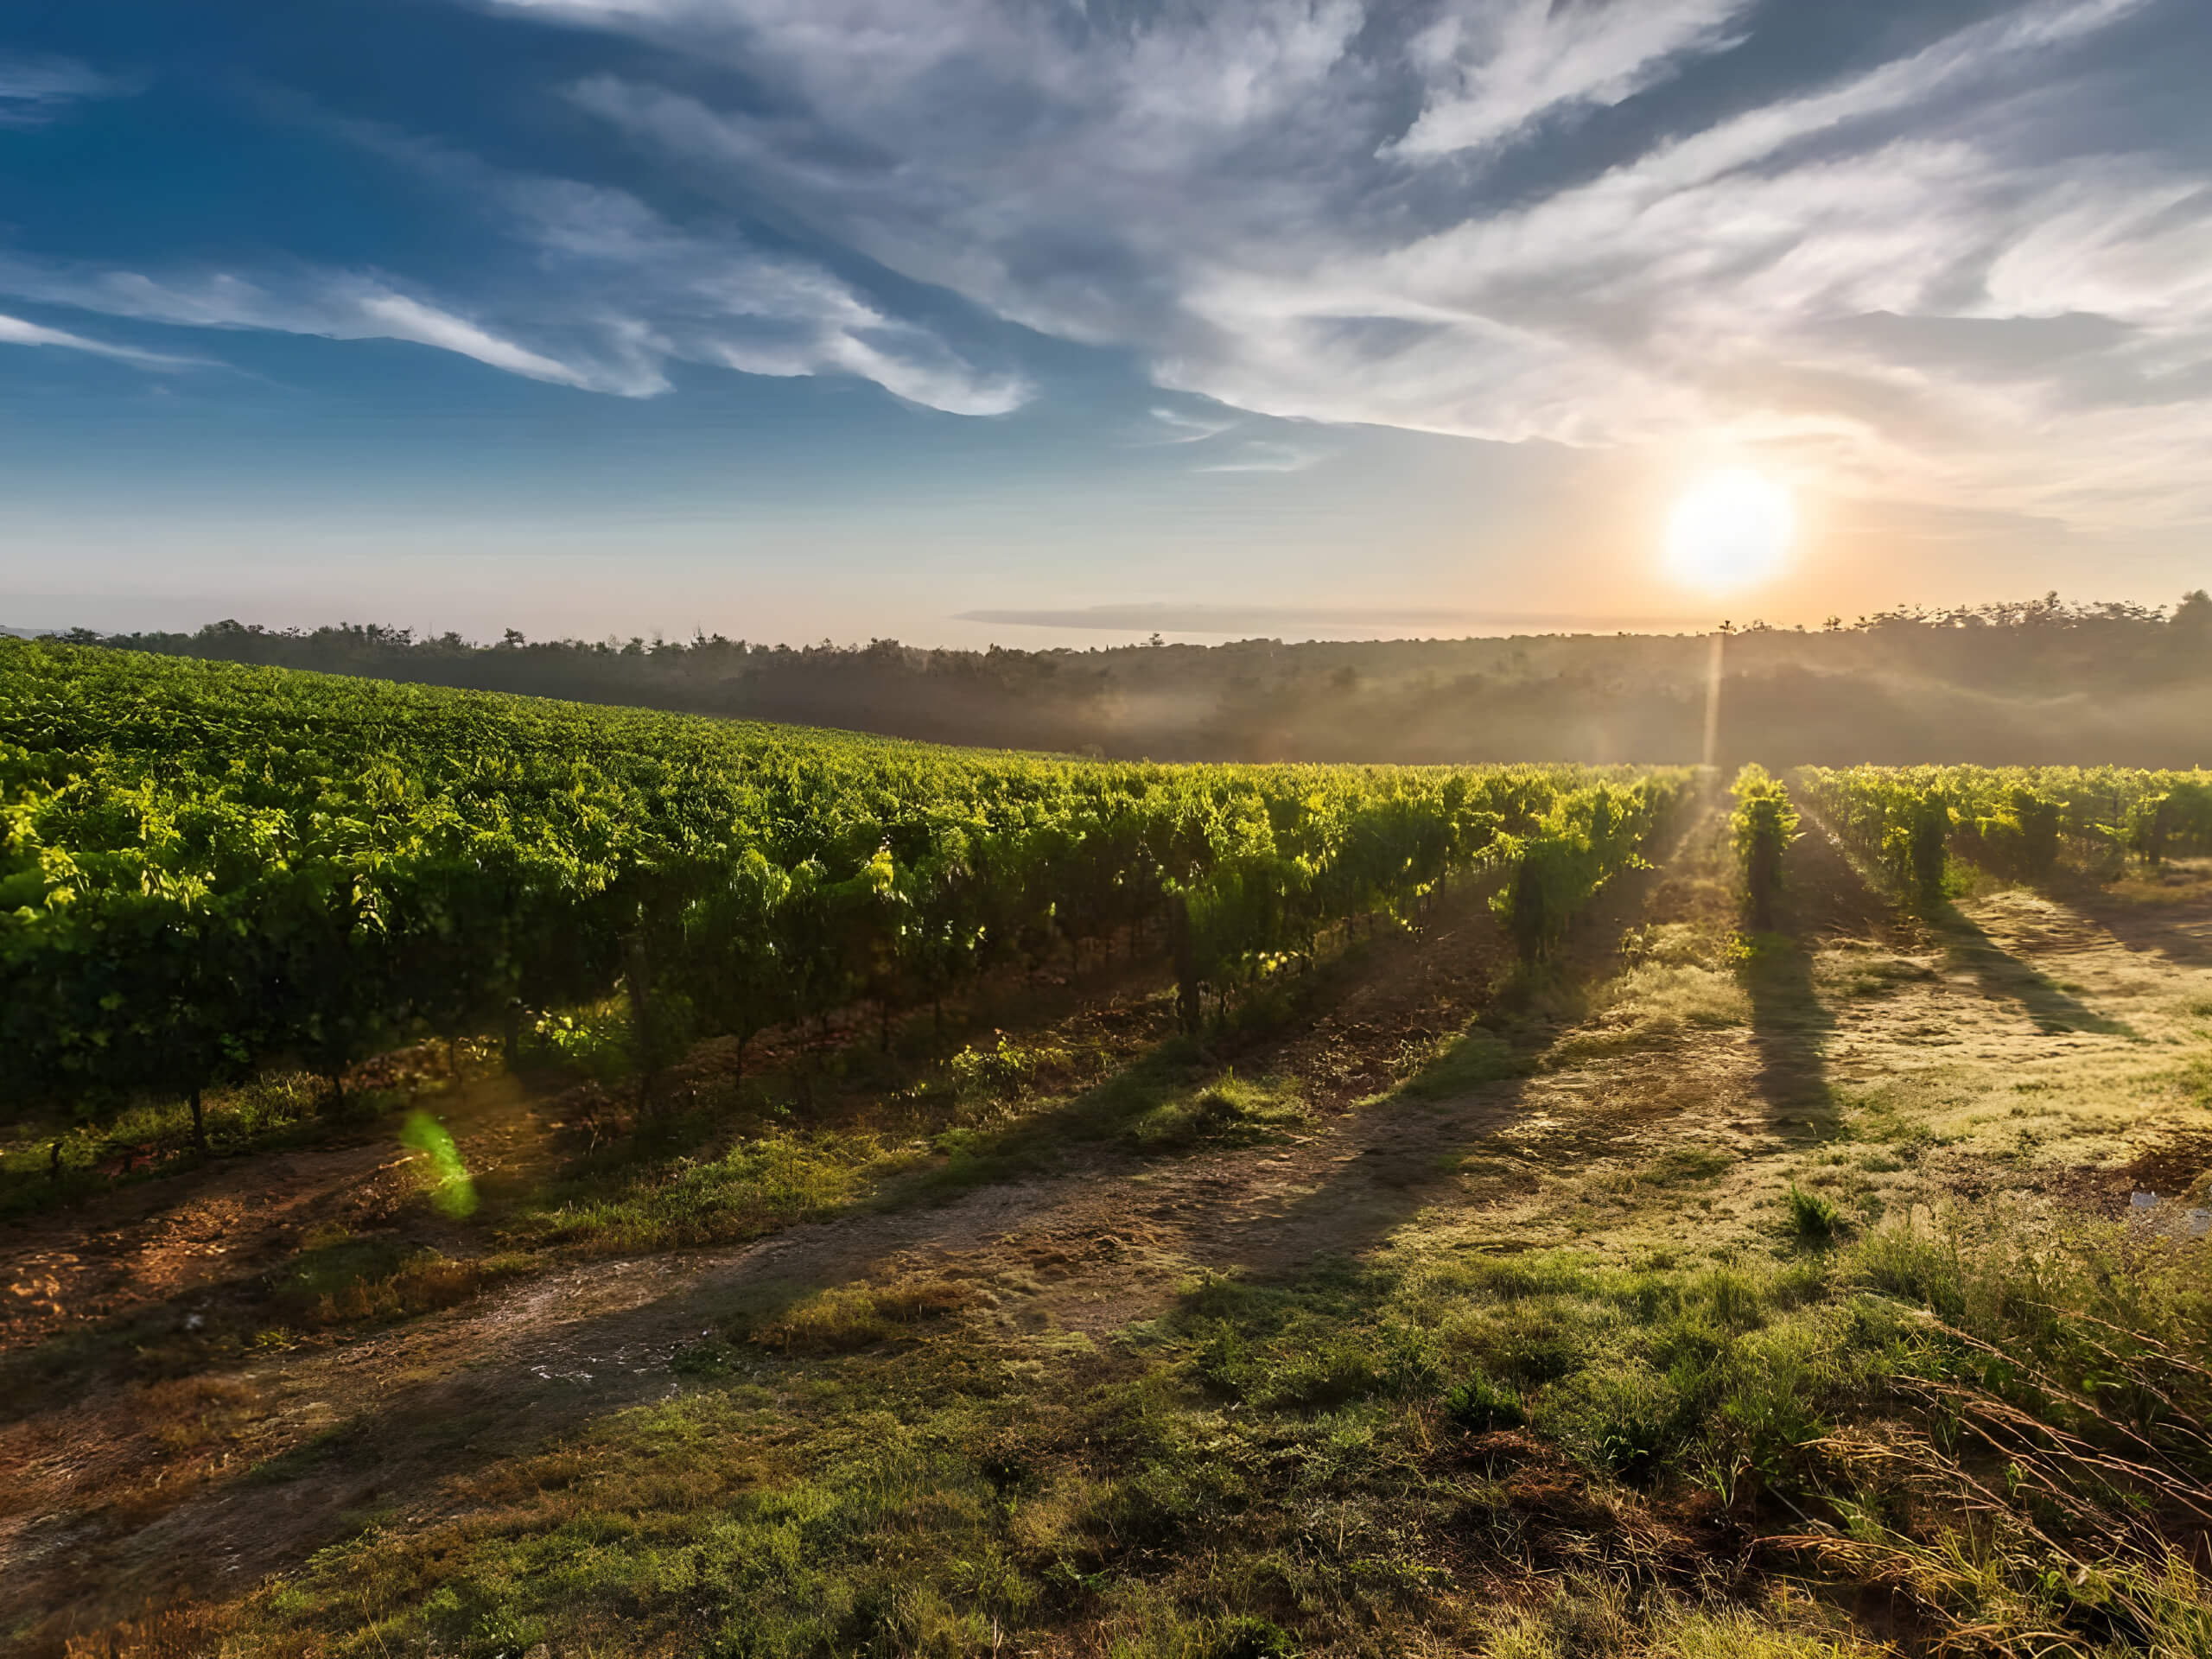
(804, 318)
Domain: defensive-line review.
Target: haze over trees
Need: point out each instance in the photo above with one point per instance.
(2040, 682)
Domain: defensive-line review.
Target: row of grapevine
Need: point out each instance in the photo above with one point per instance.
(2013, 820)
(1762, 826)
(203, 866)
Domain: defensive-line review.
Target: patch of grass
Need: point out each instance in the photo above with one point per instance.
(143, 1138)
(1480, 1405)
(850, 1316)
(1476, 1056)
(763, 1183)
(1229, 1112)
(1008, 1068)
(1268, 1468)
(1670, 944)
(187, 1413)
(974, 1156)
(1685, 1166)
(337, 1279)
(1814, 1218)
(1651, 1002)
(1301, 1348)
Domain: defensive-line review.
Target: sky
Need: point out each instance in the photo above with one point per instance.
(1064, 322)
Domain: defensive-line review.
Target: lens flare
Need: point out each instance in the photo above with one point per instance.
(1731, 531)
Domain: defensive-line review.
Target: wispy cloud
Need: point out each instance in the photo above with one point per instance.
(1264, 455)
(334, 306)
(1499, 68)
(1589, 222)
(14, 331)
(1182, 428)
(628, 294)
(1172, 618)
(1289, 210)
(36, 90)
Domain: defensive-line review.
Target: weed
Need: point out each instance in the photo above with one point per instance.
(1008, 1068)
(850, 1316)
(339, 1279)
(1228, 1111)
(1815, 1219)
(757, 1186)
(1480, 1405)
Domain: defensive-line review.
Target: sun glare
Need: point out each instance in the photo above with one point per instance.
(1730, 531)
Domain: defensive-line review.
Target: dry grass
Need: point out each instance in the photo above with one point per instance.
(850, 1316)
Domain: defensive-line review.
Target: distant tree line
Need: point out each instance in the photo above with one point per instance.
(2037, 681)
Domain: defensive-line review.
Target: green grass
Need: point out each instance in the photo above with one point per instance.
(1284, 1464)
(1476, 1056)
(1228, 1111)
(1815, 1218)
(758, 1184)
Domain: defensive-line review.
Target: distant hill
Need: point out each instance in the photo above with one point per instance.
(2042, 682)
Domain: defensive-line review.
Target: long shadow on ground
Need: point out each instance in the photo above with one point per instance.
(2006, 978)
(2180, 930)
(1791, 1027)
(525, 1380)
(1482, 1090)
(1823, 894)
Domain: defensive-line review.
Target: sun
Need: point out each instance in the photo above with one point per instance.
(1729, 530)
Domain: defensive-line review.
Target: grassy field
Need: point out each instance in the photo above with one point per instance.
(1830, 1291)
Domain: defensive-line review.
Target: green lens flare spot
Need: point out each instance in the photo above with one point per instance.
(444, 1176)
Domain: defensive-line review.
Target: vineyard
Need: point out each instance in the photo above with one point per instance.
(507, 1180)
(2014, 821)
(206, 866)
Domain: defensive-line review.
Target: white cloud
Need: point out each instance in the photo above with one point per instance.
(1264, 455)
(1345, 211)
(397, 317)
(1282, 208)
(36, 90)
(628, 292)
(1501, 67)
(331, 305)
(14, 331)
(714, 299)
(1190, 428)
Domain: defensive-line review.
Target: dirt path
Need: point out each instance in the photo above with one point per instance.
(2020, 988)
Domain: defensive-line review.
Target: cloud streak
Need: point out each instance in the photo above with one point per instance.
(1263, 455)
(36, 90)
(1498, 69)
(1167, 617)
(629, 296)
(14, 331)
(334, 306)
